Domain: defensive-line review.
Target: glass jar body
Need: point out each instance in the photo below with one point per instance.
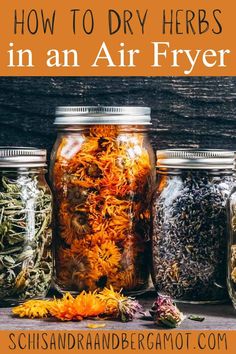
(103, 179)
(26, 236)
(231, 276)
(189, 242)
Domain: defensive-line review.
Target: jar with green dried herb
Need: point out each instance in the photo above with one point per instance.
(25, 225)
(189, 242)
(231, 279)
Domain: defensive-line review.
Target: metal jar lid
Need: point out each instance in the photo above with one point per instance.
(22, 157)
(99, 115)
(195, 159)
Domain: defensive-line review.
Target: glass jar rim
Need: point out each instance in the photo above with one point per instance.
(22, 157)
(102, 115)
(200, 159)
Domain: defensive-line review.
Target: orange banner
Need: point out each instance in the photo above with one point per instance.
(117, 38)
(168, 342)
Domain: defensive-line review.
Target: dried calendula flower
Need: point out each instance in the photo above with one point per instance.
(120, 306)
(165, 312)
(33, 309)
(89, 304)
(63, 309)
(84, 305)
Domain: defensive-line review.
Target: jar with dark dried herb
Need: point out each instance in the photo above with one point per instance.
(25, 225)
(103, 173)
(231, 279)
(189, 242)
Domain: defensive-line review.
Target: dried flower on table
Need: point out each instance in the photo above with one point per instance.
(33, 309)
(120, 306)
(109, 304)
(84, 305)
(129, 309)
(165, 312)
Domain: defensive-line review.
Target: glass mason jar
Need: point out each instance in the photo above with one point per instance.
(189, 242)
(25, 225)
(103, 173)
(231, 279)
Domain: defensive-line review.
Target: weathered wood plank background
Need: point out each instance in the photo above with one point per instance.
(189, 111)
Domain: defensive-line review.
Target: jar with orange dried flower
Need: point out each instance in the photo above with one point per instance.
(103, 175)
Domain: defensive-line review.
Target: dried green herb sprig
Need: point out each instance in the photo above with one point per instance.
(233, 263)
(196, 318)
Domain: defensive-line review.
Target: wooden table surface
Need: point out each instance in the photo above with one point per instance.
(217, 317)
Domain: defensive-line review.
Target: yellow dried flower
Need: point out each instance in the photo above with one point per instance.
(63, 309)
(33, 309)
(111, 298)
(107, 256)
(84, 305)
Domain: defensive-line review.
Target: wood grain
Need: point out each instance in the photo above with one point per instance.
(188, 111)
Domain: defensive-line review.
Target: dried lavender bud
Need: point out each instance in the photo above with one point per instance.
(190, 236)
(165, 312)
